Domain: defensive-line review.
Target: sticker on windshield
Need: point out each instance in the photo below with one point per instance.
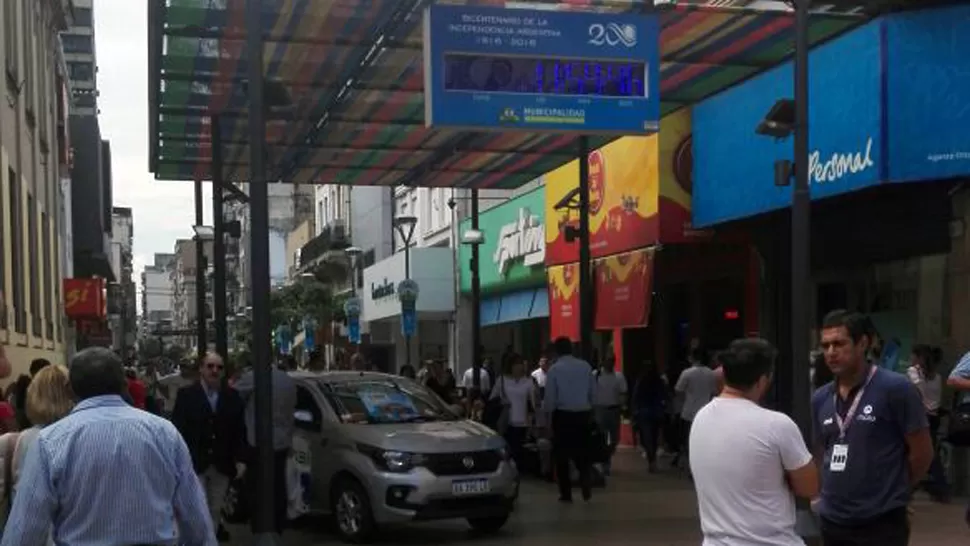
(388, 406)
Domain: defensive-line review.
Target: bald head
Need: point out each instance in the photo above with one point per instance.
(97, 371)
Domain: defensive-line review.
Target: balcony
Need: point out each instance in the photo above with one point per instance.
(333, 237)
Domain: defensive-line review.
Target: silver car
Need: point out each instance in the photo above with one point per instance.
(378, 449)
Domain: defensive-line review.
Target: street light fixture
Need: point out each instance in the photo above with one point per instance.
(204, 233)
(405, 227)
(352, 306)
(475, 238)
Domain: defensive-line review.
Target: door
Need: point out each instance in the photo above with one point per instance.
(308, 454)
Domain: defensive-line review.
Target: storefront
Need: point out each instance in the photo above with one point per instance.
(433, 269)
(889, 156)
(658, 281)
(515, 304)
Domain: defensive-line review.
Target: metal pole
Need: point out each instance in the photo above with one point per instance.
(219, 244)
(201, 340)
(476, 299)
(585, 273)
(407, 275)
(263, 519)
(800, 240)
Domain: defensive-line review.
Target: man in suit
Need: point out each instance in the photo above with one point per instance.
(209, 415)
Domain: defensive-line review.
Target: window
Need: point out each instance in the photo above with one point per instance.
(34, 266)
(50, 312)
(84, 100)
(306, 402)
(81, 71)
(17, 252)
(76, 43)
(10, 43)
(83, 17)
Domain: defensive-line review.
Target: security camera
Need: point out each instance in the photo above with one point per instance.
(452, 203)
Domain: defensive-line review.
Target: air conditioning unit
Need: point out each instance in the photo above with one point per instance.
(339, 233)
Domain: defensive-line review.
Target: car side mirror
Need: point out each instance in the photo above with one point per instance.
(303, 416)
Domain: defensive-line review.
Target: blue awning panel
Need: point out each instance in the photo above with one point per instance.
(515, 306)
(540, 306)
(489, 309)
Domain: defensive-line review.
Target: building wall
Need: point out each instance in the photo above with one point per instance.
(295, 240)
(31, 318)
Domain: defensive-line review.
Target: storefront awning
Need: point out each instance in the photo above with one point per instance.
(515, 306)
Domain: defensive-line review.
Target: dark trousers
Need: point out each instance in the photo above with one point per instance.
(936, 483)
(649, 428)
(515, 438)
(889, 529)
(279, 499)
(570, 443)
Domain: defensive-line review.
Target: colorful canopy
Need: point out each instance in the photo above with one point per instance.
(353, 72)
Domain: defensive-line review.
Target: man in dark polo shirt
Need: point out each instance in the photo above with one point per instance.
(873, 439)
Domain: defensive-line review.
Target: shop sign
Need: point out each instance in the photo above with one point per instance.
(84, 298)
(734, 167)
(383, 290)
(524, 239)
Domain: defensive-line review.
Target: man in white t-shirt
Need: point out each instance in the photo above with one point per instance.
(539, 374)
(609, 398)
(748, 462)
(698, 384)
(468, 380)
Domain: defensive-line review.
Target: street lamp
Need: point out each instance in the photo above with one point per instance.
(353, 305)
(353, 254)
(475, 239)
(407, 291)
(202, 235)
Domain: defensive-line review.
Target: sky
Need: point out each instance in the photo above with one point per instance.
(162, 211)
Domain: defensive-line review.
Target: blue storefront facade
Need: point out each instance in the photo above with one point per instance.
(889, 157)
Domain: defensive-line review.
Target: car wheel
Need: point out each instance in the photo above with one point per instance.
(491, 524)
(352, 514)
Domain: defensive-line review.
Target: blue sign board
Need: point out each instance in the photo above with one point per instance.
(928, 94)
(734, 174)
(353, 329)
(516, 69)
(409, 321)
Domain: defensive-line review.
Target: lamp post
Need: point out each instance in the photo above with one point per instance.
(407, 291)
(202, 234)
(353, 305)
(475, 238)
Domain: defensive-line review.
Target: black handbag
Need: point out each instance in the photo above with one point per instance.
(237, 506)
(958, 425)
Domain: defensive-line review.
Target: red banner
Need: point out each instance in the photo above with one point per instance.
(563, 301)
(624, 290)
(84, 298)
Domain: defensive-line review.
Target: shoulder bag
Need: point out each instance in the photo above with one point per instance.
(958, 423)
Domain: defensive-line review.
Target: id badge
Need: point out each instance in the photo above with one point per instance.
(840, 456)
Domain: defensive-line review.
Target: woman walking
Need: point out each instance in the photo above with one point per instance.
(517, 393)
(650, 401)
(922, 373)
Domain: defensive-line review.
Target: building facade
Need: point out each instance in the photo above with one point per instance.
(122, 299)
(33, 149)
(157, 301)
(184, 295)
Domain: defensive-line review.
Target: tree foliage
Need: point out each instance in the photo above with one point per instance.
(309, 297)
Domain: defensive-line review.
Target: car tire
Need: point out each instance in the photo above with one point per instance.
(352, 515)
(489, 525)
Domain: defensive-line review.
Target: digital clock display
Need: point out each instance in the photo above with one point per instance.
(544, 76)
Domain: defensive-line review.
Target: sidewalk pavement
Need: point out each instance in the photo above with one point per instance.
(635, 508)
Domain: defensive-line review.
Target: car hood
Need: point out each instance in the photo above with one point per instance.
(436, 437)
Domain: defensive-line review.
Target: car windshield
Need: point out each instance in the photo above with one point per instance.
(385, 401)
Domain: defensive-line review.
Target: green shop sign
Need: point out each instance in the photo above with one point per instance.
(514, 252)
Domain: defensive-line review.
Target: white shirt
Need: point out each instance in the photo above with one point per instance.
(699, 385)
(930, 390)
(518, 394)
(739, 456)
(468, 380)
(610, 389)
(539, 375)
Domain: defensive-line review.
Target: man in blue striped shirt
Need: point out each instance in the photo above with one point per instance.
(108, 474)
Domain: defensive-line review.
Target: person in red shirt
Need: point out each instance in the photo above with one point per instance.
(8, 419)
(136, 389)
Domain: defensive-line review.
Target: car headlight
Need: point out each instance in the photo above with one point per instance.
(392, 461)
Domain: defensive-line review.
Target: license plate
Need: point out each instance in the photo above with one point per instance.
(470, 487)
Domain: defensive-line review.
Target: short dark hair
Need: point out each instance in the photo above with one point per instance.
(857, 324)
(37, 365)
(563, 346)
(97, 371)
(746, 361)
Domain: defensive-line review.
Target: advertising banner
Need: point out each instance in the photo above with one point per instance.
(84, 299)
(513, 254)
(564, 301)
(623, 200)
(734, 167)
(928, 87)
(519, 69)
(676, 171)
(623, 290)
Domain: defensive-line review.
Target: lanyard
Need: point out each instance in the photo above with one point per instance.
(844, 425)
